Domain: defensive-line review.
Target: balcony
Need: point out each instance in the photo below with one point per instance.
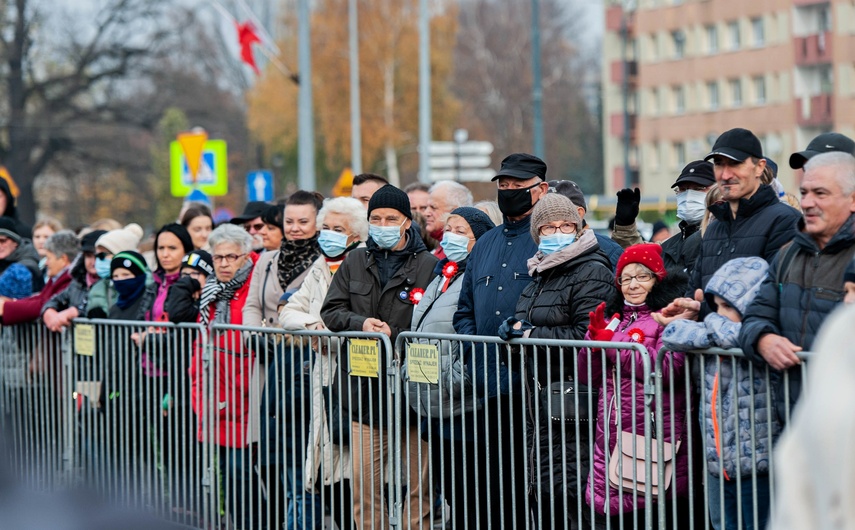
(815, 111)
(813, 49)
(616, 74)
(616, 126)
(613, 19)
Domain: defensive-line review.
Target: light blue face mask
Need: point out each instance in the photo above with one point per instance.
(455, 246)
(555, 242)
(102, 267)
(386, 237)
(332, 243)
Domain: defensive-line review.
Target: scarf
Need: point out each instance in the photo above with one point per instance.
(129, 290)
(217, 291)
(295, 257)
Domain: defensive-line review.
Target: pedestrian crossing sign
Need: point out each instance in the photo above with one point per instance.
(212, 178)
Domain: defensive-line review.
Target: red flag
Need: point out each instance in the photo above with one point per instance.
(247, 36)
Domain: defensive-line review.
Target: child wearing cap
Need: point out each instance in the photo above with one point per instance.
(134, 285)
(645, 287)
(731, 394)
(182, 300)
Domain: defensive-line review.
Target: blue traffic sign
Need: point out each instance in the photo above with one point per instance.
(259, 185)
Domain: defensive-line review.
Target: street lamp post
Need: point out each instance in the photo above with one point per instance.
(460, 137)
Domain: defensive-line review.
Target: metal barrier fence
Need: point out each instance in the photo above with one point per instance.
(260, 428)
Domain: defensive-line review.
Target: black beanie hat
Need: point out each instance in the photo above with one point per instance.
(390, 197)
(87, 242)
(131, 260)
(479, 222)
(180, 232)
(200, 261)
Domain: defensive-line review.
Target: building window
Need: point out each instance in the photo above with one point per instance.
(760, 90)
(733, 31)
(679, 39)
(712, 39)
(679, 100)
(736, 92)
(679, 154)
(712, 92)
(758, 32)
(654, 101)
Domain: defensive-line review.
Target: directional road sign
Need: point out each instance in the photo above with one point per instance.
(464, 149)
(259, 185)
(213, 176)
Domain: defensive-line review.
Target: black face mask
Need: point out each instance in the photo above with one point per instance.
(514, 203)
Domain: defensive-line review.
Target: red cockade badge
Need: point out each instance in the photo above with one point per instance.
(448, 273)
(636, 335)
(416, 295)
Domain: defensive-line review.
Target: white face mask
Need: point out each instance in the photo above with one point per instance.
(691, 205)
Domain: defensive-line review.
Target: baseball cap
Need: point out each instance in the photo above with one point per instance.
(697, 172)
(824, 143)
(569, 189)
(522, 166)
(737, 144)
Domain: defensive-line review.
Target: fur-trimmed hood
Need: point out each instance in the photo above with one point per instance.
(663, 293)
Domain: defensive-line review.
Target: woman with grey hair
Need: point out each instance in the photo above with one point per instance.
(222, 301)
(61, 250)
(344, 226)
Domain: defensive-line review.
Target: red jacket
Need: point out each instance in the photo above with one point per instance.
(29, 309)
(230, 369)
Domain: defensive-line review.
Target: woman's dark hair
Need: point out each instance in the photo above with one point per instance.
(178, 231)
(195, 211)
(273, 215)
(301, 197)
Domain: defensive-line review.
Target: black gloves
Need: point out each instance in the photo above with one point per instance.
(627, 206)
(507, 331)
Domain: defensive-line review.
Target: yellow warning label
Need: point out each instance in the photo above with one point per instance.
(84, 339)
(364, 358)
(423, 363)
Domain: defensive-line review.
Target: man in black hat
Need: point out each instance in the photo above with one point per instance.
(751, 221)
(824, 143)
(251, 221)
(495, 277)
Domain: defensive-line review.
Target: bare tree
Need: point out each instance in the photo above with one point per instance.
(493, 80)
(52, 90)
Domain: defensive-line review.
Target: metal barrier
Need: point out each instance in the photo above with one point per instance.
(254, 428)
(738, 412)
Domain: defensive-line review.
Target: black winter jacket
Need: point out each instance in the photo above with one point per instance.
(795, 299)
(681, 250)
(558, 301)
(180, 304)
(356, 294)
(762, 225)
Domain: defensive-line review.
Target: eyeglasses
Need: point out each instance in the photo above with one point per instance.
(566, 228)
(228, 258)
(640, 278)
(250, 227)
(196, 274)
(102, 255)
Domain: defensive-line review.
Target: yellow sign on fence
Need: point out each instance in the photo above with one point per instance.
(364, 357)
(423, 363)
(84, 339)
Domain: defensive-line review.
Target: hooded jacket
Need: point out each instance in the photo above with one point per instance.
(636, 325)
(761, 226)
(730, 393)
(356, 293)
(796, 297)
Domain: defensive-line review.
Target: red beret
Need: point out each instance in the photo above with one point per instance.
(647, 254)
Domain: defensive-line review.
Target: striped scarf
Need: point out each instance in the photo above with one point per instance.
(217, 291)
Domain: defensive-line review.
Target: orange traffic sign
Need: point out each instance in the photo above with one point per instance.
(192, 144)
(344, 184)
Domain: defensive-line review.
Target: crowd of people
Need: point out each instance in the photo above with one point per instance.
(751, 267)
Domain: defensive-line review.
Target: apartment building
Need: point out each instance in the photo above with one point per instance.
(677, 73)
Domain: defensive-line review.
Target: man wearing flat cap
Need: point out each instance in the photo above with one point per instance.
(495, 277)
